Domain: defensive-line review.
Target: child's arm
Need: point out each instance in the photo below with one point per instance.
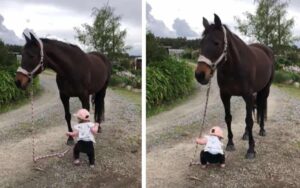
(201, 140)
(94, 129)
(73, 134)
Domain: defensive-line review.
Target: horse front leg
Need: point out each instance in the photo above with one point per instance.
(228, 118)
(249, 125)
(65, 100)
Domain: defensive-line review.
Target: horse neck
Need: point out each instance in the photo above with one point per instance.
(236, 50)
(55, 59)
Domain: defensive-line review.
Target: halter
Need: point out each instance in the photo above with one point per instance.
(213, 65)
(40, 65)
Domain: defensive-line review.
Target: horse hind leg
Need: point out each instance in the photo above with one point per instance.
(100, 106)
(262, 98)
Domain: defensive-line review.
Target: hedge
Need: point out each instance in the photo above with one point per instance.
(167, 81)
(282, 76)
(9, 92)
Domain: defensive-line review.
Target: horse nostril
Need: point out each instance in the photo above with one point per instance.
(200, 76)
(18, 83)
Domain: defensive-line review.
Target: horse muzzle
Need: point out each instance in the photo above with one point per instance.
(22, 81)
(201, 78)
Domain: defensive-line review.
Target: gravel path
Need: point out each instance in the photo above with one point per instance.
(171, 135)
(117, 148)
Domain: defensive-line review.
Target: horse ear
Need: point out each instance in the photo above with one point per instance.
(34, 39)
(205, 23)
(218, 22)
(26, 38)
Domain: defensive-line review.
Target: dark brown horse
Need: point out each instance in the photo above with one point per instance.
(78, 74)
(242, 71)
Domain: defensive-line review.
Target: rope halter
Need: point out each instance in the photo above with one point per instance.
(213, 65)
(40, 65)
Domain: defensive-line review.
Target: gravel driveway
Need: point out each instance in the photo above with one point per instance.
(171, 135)
(117, 148)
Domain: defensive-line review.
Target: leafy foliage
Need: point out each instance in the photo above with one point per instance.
(180, 42)
(8, 90)
(284, 77)
(269, 25)
(167, 81)
(105, 35)
(154, 50)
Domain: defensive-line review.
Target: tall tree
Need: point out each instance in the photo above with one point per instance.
(105, 34)
(269, 25)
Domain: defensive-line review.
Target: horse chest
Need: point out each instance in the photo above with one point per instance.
(68, 87)
(231, 85)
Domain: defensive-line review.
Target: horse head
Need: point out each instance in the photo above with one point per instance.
(32, 61)
(213, 50)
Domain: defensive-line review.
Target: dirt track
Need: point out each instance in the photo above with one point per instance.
(117, 148)
(170, 144)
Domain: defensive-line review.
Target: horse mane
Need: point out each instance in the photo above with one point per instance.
(61, 44)
(229, 32)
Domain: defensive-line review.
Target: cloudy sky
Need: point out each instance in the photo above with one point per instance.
(184, 17)
(57, 19)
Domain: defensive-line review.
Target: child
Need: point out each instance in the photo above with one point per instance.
(213, 152)
(84, 131)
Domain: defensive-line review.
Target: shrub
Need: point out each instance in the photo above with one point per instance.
(168, 80)
(284, 76)
(9, 92)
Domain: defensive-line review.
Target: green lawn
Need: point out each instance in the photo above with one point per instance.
(134, 97)
(291, 90)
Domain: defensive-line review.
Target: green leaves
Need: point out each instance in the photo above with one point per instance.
(167, 80)
(269, 25)
(105, 34)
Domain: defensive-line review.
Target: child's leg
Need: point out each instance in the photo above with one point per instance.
(203, 158)
(76, 151)
(222, 158)
(91, 153)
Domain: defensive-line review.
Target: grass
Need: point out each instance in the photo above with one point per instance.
(291, 90)
(134, 97)
(169, 106)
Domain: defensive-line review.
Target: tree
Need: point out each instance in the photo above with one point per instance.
(154, 51)
(269, 25)
(105, 34)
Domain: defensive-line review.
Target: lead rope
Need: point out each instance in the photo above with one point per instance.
(34, 157)
(202, 125)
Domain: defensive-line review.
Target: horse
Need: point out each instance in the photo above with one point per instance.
(78, 74)
(242, 70)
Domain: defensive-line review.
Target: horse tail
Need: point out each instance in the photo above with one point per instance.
(100, 95)
(100, 104)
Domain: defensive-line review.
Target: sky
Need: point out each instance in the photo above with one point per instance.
(57, 19)
(183, 18)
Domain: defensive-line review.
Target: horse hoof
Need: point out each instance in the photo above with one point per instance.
(230, 147)
(262, 133)
(245, 136)
(250, 155)
(70, 142)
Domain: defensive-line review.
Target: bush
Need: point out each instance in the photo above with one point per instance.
(284, 76)
(168, 80)
(117, 80)
(8, 90)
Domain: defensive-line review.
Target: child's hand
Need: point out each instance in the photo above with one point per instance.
(201, 141)
(68, 133)
(94, 129)
(73, 134)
